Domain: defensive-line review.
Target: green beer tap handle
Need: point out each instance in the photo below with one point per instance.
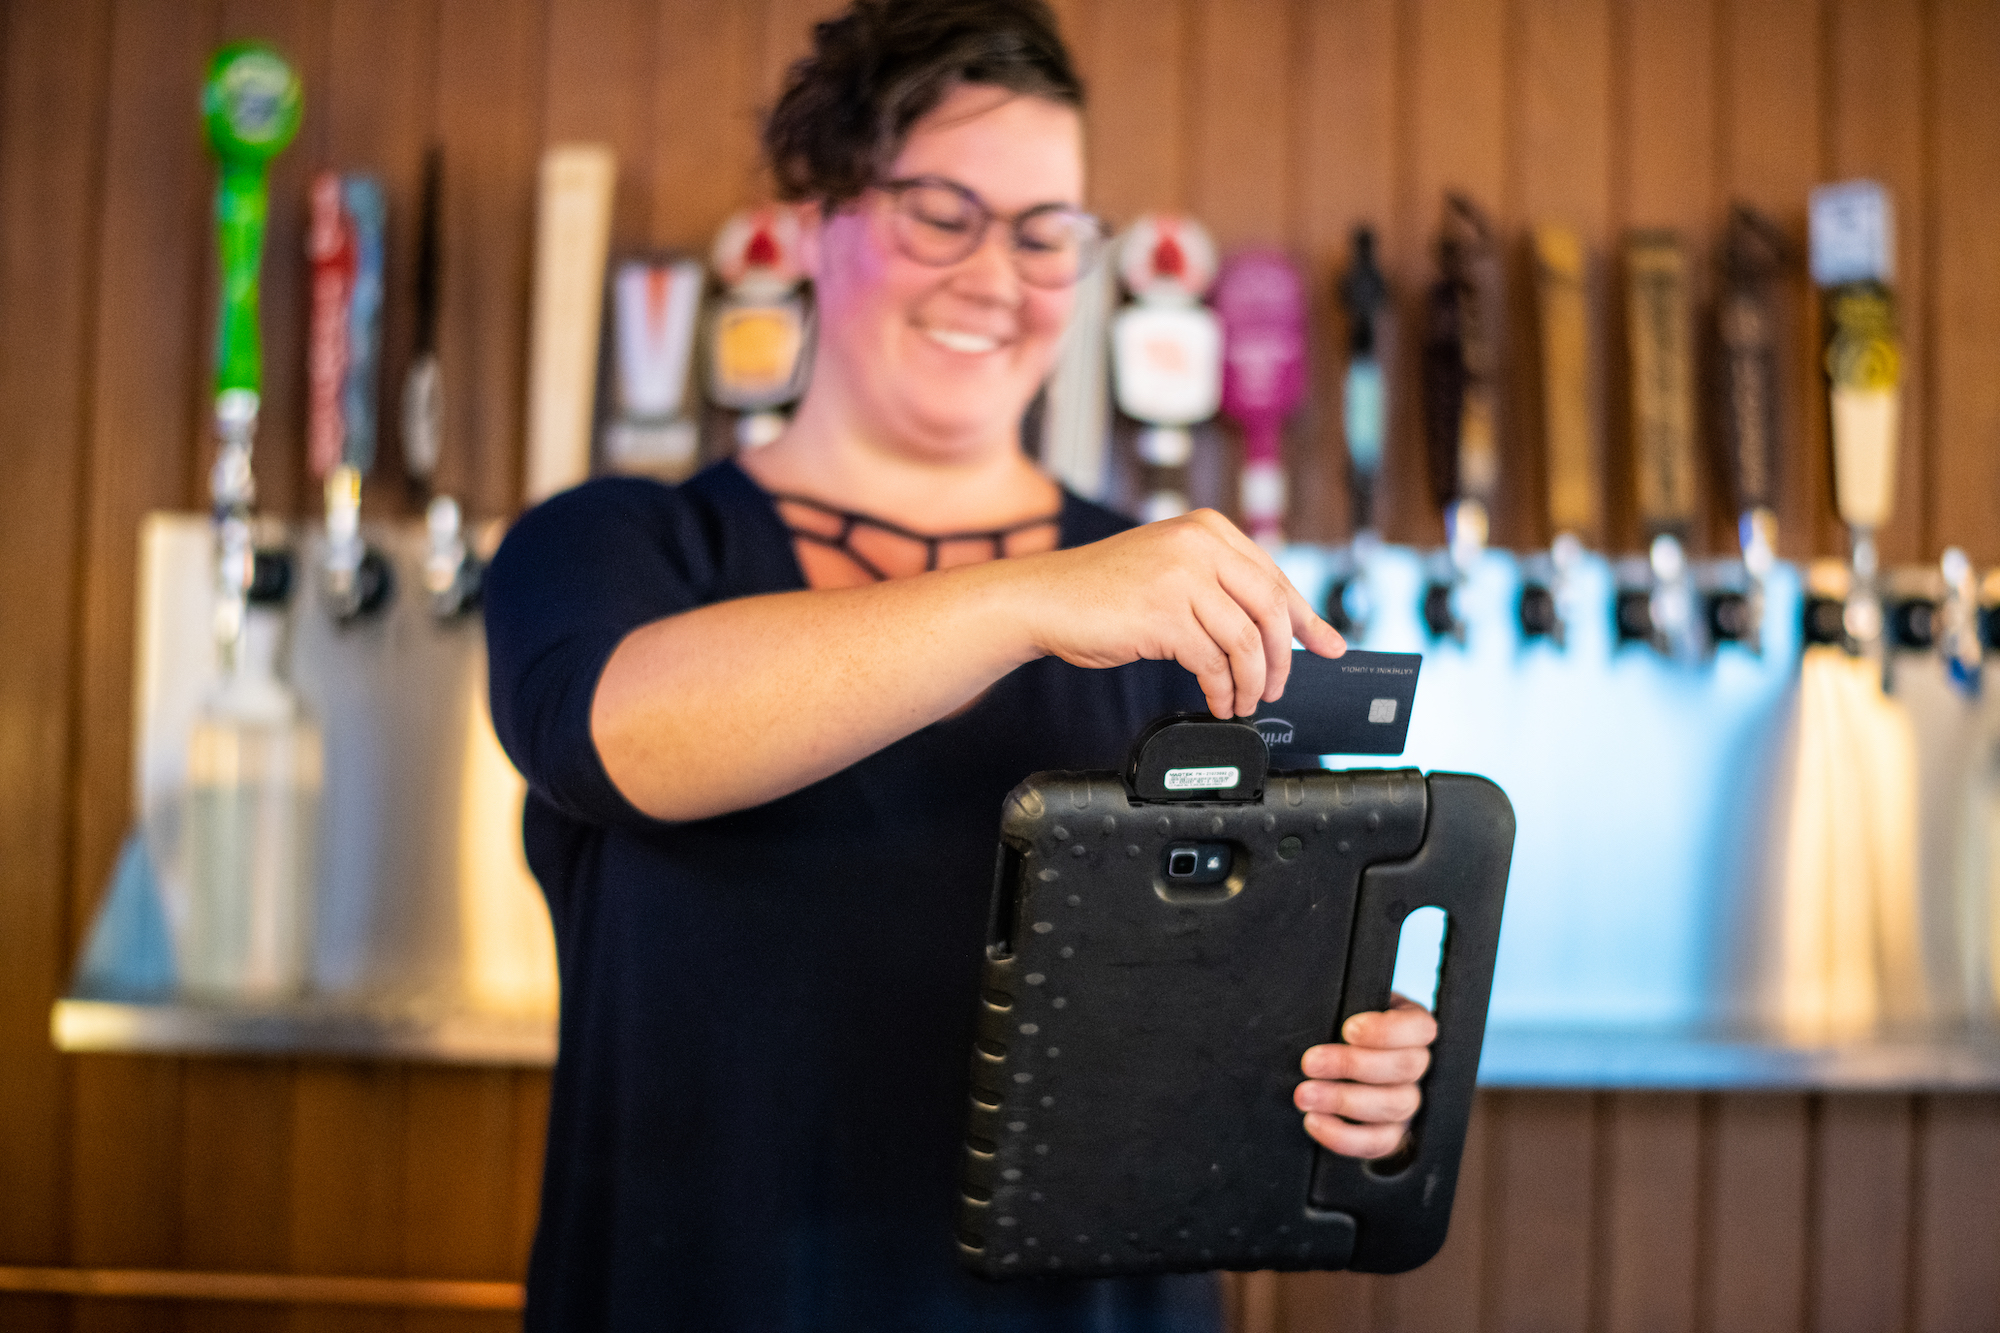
(251, 104)
(240, 207)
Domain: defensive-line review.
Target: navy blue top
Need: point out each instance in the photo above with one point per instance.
(767, 1016)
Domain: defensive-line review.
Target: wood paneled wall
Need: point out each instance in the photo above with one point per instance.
(1275, 120)
(1630, 1212)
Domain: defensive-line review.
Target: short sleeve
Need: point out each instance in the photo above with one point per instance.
(574, 576)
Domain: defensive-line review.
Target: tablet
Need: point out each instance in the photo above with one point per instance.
(1164, 945)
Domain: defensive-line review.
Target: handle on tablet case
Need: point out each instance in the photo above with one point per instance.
(1402, 1206)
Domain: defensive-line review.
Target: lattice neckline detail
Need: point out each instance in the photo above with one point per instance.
(851, 519)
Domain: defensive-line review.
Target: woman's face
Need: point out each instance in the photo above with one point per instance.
(943, 361)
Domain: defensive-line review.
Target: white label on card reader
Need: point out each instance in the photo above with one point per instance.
(1382, 710)
(1201, 779)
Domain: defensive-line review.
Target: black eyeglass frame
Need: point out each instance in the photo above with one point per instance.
(1094, 233)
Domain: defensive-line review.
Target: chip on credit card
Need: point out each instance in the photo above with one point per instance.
(1357, 703)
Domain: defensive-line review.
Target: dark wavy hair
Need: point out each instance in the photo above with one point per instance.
(884, 64)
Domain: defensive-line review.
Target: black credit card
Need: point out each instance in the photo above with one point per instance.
(1357, 703)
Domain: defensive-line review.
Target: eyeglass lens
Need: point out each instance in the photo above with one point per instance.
(940, 224)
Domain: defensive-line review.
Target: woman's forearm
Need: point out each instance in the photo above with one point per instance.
(737, 703)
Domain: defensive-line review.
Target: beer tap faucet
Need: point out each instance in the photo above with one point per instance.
(1961, 642)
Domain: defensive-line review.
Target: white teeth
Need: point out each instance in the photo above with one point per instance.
(959, 341)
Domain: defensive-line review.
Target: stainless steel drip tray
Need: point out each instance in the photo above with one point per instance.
(1632, 1059)
(304, 1028)
(1691, 1059)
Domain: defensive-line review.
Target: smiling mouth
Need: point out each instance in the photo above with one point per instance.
(958, 340)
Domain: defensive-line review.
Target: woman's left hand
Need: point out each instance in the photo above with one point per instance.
(1360, 1092)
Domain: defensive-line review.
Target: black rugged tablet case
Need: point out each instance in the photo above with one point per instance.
(1139, 1041)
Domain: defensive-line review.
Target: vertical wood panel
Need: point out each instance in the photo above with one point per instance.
(125, 1181)
(1562, 119)
(1755, 1195)
(1649, 1236)
(1544, 1167)
(1238, 121)
(489, 94)
(31, 1314)
(1562, 116)
(1878, 80)
(1965, 487)
(459, 1205)
(1250, 1302)
(125, 1199)
(1773, 126)
(704, 119)
(531, 1132)
(1344, 178)
(1862, 1214)
(51, 133)
(1669, 92)
(1326, 1303)
(1447, 1295)
(1136, 73)
(1957, 1227)
(1459, 105)
(787, 38)
(235, 1157)
(1072, 23)
(346, 1198)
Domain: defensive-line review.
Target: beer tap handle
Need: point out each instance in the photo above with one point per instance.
(1461, 356)
(1853, 263)
(1754, 253)
(1364, 402)
(1573, 448)
(251, 105)
(345, 243)
(1364, 291)
(423, 394)
(1660, 330)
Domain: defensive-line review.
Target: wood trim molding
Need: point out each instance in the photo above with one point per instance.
(264, 1288)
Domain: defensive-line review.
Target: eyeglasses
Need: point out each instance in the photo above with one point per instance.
(940, 222)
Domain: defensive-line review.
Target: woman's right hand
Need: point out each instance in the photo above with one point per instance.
(1191, 589)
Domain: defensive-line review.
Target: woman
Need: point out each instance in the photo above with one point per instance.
(767, 728)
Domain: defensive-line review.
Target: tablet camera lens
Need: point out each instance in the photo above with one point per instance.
(1198, 863)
